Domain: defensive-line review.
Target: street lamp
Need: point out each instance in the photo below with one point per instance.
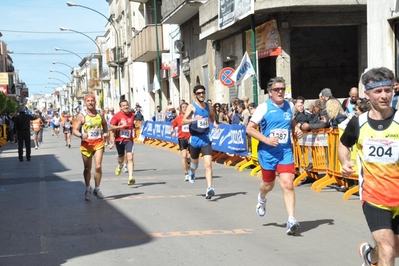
(70, 4)
(61, 88)
(71, 86)
(66, 84)
(61, 74)
(55, 62)
(59, 49)
(100, 61)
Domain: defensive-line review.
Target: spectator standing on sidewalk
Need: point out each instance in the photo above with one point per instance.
(22, 131)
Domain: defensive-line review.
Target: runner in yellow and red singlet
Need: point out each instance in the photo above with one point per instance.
(91, 126)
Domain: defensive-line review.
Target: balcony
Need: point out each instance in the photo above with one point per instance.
(111, 57)
(179, 11)
(144, 46)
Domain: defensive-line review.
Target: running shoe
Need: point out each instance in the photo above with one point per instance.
(118, 170)
(98, 194)
(364, 249)
(191, 176)
(186, 177)
(124, 169)
(35, 147)
(69, 145)
(210, 192)
(292, 227)
(131, 181)
(88, 194)
(261, 207)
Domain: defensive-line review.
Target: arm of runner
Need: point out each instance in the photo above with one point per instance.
(77, 127)
(104, 125)
(189, 111)
(253, 132)
(344, 155)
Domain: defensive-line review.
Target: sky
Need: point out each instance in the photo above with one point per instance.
(30, 29)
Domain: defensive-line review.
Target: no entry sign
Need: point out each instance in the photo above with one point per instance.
(225, 76)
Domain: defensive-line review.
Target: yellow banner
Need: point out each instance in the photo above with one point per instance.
(3, 78)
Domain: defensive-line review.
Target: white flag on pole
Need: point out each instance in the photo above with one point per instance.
(155, 84)
(244, 70)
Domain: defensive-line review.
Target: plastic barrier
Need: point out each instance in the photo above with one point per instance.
(312, 148)
(320, 147)
(3, 135)
(332, 163)
(251, 160)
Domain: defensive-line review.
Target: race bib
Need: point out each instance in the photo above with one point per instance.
(185, 128)
(380, 150)
(281, 134)
(68, 124)
(36, 126)
(94, 134)
(203, 123)
(125, 133)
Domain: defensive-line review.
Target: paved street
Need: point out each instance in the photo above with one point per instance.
(161, 220)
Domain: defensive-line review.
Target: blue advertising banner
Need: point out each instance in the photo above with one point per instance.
(229, 138)
(158, 130)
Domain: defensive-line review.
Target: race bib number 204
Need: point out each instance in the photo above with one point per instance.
(377, 150)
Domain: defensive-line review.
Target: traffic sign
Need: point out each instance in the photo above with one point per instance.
(225, 76)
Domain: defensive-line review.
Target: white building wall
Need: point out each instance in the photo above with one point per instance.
(142, 89)
(380, 35)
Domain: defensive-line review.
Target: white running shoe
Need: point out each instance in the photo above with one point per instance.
(186, 177)
(124, 169)
(98, 193)
(364, 249)
(210, 192)
(261, 206)
(292, 227)
(88, 194)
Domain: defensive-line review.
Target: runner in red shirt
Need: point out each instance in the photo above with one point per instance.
(123, 125)
(183, 135)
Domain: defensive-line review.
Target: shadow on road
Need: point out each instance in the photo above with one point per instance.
(45, 219)
(305, 225)
(218, 197)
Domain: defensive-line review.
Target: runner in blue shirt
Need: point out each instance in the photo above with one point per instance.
(198, 115)
(275, 120)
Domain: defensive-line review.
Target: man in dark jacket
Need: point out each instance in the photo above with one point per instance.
(22, 130)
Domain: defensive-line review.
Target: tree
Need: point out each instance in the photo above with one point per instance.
(7, 105)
